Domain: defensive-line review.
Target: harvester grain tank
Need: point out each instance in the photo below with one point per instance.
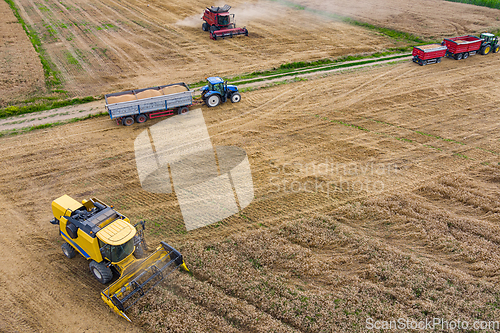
(114, 248)
(220, 23)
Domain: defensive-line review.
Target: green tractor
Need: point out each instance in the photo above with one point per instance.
(490, 42)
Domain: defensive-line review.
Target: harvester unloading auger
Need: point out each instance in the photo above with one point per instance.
(220, 23)
(114, 247)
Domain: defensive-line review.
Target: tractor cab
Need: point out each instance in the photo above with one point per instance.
(218, 91)
(489, 38)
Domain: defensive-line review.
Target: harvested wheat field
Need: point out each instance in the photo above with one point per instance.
(376, 196)
(98, 47)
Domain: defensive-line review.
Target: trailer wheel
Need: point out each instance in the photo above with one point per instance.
(458, 56)
(141, 118)
(235, 97)
(496, 49)
(213, 100)
(101, 272)
(466, 55)
(183, 110)
(127, 121)
(204, 26)
(68, 250)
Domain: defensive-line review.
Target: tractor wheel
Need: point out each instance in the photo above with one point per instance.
(235, 98)
(466, 55)
(205, 26)
(127, 121)
(458, 56)
(485, 50)
(68, 250)
(141, 118)
(213, 100)
(183, 110)
(496, 48)
(101, 272)
(213, 28)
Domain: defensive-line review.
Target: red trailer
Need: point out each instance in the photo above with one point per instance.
(462, 47)
(428, 54)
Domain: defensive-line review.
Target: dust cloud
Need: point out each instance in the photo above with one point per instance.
(244, 14)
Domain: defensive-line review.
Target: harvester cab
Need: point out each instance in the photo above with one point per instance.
(114, 248)
(220, 23)
(218, 91)
(489, 43)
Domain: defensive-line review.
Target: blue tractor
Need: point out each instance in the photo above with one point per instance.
(217, 91)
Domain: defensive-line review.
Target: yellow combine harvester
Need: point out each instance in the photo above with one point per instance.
(114, 248)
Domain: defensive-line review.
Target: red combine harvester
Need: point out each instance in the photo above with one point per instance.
(220, 23)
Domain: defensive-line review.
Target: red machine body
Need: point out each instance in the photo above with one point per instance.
(428, 54)
(220, 23)
(462, 46)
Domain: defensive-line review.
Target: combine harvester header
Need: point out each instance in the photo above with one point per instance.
(220, 23)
